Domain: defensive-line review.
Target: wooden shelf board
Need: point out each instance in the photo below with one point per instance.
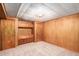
(26, 37)
(26, 27)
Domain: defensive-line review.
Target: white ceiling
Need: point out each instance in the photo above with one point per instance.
(12, 8)
(41, 11)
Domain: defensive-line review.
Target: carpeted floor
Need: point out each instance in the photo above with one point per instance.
(37, 49)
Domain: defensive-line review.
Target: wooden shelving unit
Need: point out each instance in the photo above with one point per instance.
(25, 32)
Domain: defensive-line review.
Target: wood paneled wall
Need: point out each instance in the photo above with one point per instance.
(7, 33)
(0, 38)
(38, 31)
(63, 31)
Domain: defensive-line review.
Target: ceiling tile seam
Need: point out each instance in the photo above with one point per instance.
(21, 11)
(26, 10)
(64, 9)
(17, 9)
(50, 8)
(54, 10)
(76, 7)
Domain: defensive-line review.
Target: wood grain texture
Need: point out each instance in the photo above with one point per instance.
(25, 24)
(63, 31)
(0, 38)
(16, 27)
(38, 31)
(8, 33)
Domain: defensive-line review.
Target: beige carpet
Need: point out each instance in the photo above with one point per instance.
(37, 49)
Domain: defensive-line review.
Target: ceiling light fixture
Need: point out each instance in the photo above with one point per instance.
(38, 17)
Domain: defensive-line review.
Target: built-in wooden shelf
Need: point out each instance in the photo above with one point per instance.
(25, 32)
(26, 37)
(25, 27)
(24, 24)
